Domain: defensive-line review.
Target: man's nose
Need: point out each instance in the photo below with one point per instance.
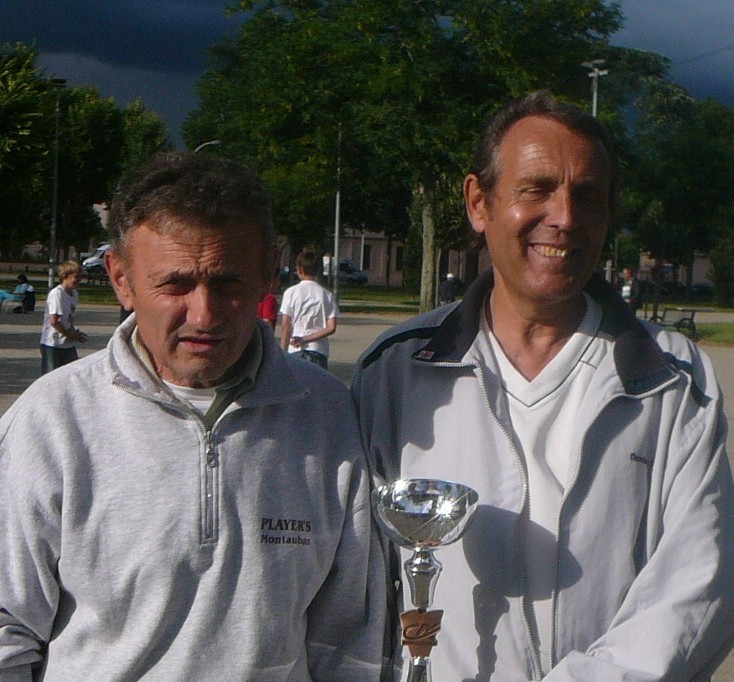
(560, 208)
(203, 308)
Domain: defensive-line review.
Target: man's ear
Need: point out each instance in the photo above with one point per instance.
(117, 271)
(477, 208)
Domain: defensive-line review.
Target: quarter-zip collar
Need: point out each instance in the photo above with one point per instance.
(640, 363)
(130, 373)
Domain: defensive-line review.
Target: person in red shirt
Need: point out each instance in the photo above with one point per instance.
(267, 309)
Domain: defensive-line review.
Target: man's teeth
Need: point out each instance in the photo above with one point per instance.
(552, 251)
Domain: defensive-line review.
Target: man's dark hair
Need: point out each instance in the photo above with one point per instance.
(196, 190)
(308, 262)
(486, 164)
(22, 278)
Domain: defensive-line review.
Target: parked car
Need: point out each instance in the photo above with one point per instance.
(674, 289)
(702, 290)
(94, 265)
(349, 273)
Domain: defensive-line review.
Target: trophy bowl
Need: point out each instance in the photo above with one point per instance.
(424, 513)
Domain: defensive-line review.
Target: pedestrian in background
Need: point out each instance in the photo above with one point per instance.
(309, 313)
(447, 291)
(23, 294)
(58, 335)
(631, 288)
(267, 309)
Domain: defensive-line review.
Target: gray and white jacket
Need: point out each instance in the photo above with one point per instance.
(645, 548)
(136, 544)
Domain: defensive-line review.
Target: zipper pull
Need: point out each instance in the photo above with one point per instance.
(211, 458)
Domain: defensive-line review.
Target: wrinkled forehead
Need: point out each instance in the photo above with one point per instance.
(537, 141)
(167, 223)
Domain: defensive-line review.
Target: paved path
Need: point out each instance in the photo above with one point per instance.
(20, 361)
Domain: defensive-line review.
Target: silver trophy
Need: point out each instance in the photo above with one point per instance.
(423, 514)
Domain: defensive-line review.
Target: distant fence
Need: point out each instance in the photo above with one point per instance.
(20, 266)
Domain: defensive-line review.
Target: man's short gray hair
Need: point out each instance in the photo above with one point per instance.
(195, 190)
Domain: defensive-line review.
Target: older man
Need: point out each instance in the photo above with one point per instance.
(180, 506)
(602, 546)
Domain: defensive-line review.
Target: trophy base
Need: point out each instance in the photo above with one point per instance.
(419, 631)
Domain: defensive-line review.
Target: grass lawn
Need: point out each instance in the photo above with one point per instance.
(719, 333)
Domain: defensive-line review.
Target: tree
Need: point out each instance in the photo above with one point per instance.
(722, 268)
(686, 171)
(144, 134)
(97, 141)
(23, 148)
(90, 162)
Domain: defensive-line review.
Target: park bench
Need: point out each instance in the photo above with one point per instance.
(680, 319)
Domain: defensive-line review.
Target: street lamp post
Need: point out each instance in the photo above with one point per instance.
(206, 144)
(59, 84)
(337, 214)
(594, 74)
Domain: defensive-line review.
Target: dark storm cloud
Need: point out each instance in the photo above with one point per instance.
(147, 34)
(157, 49)
(697, 37)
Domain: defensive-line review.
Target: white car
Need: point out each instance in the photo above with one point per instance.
(94, 265)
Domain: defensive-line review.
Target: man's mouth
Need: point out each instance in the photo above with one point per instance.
(202, 342)
(551, 251)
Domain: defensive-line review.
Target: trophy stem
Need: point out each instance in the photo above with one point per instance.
(422, 571)
(420, 669)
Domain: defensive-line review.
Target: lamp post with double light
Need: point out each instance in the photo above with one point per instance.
(58, 84)
(207, 144)
(595, 73)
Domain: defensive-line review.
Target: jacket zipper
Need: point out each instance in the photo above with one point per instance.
(211, 490)
(535, 654)
(554, 595)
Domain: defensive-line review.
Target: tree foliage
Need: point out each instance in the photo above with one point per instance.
(96, 142)
(144, 134)
(685, 171)
(23, 144)
(409, 82)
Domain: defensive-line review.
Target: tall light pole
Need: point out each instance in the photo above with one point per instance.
(59, 84)
(594, 73)
(337, 213)
(206, 144)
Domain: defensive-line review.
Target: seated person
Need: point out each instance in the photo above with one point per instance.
(19, 293)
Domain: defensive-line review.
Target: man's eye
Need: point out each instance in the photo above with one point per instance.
(591, 195)
(174, 287)
(228, 285)
(534, 192)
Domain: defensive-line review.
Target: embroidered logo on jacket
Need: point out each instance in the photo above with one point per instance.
(284, 531)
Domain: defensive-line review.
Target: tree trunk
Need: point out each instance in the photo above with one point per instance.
(388, 264)
(428, 268)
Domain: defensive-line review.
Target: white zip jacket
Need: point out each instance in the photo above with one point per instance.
(137, 545)
(645, 550)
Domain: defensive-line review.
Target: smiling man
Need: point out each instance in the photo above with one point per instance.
(601, 549)
(190, 503)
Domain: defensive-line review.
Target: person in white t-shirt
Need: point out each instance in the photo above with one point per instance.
(309, 314)
(58, 335)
